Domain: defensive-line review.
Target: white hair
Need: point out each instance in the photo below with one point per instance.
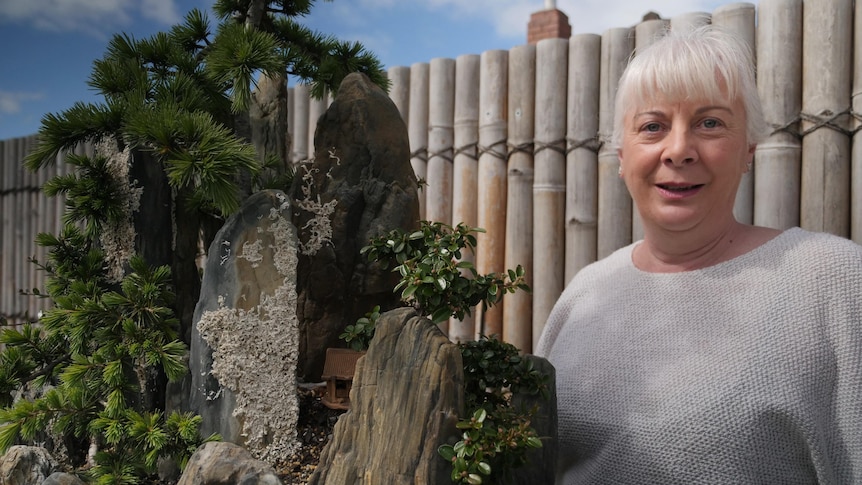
(706, 63)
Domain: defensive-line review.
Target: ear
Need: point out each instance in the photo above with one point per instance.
(749, 158)
(620, 157)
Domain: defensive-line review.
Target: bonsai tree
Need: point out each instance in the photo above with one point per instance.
(435, 281)
(81, 374)
(173, 159)
(179, 104)
(432, 272)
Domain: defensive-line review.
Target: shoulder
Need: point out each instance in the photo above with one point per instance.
(595, 278)
(817, 249)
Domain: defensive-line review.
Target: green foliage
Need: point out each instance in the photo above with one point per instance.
(178, 100)
(83, 371)
(358, 336)
(176, 94)
(497, 436)
(434, 279)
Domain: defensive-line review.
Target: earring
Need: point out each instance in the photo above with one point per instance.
(748, 166)
(620, 171)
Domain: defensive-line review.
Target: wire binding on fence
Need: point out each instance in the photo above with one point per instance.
(558, 146)
(469, 150)
(592, 144)
(20, 190)
(526, 147)
(828, 121)
(420, 153)
(492, 150)
(444, 154)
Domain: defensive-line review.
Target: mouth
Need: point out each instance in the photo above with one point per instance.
(678, 191)
(679, 188)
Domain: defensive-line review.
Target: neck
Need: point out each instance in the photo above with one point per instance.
(665, 251)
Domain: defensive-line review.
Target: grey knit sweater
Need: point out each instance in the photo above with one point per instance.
(746, 372)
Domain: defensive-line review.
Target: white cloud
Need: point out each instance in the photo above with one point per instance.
(11, 102)
(92, 17)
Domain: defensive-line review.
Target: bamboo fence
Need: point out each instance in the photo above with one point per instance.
(516, 142)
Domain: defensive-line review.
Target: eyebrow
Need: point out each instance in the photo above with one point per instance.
(698, 111)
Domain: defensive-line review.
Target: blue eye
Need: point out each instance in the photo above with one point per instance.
(711, 123)
(651, 127)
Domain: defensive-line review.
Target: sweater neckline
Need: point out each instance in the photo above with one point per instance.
(627, 253)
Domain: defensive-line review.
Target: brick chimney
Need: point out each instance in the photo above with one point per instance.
(548, 24)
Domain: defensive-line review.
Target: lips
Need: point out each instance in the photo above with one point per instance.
(679, 188)
(678, 191)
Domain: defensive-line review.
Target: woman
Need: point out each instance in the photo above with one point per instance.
(711, 351)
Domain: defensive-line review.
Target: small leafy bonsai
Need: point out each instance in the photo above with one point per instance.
(498, 435)
(436, 282)
(433, 278)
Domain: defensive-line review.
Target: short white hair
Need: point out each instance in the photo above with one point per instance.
(705, 63)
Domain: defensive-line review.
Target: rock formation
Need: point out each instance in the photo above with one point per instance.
(407, 394)
(26, 465)
(360, 185)
(244, 342)
(221, 463)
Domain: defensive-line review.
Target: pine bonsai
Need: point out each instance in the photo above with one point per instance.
(173, 159)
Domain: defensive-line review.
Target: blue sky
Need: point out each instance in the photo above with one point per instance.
(49, 45)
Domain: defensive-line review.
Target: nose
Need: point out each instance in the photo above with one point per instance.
(679, 149)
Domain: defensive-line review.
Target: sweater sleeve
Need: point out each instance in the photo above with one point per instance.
(841, 282)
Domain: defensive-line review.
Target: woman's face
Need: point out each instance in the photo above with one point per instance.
(682, 162)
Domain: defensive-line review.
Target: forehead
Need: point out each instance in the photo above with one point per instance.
(672, 106)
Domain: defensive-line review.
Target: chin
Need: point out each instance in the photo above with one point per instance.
(675, 221)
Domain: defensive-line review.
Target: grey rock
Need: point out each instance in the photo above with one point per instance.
(222, 463)
(407, 394)
(362, 161)
(243, 352)
(26, 465)
(60, 478)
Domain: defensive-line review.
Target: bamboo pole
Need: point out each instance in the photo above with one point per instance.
(31, 215)
(20, 227)
(739, 18)
(549, 188)
(582, 162)
(441, 116)
(779, 83)
(689, 21)
(491, 214)
(615, 205)
(826, 61)
(417, 127)
(301, 109)
(856, 150)
(646, 33)
(6, 227)
(399, 90)
(465, 167)
(518, 306)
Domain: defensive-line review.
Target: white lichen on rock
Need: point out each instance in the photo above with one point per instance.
(118, 236)
(251, 252)
(255, 351)
(319, 227)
